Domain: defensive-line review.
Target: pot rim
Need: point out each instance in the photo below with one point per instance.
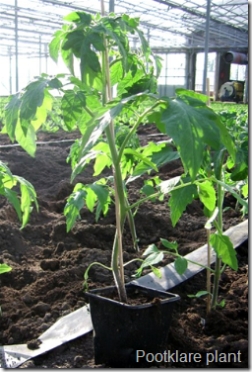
(95, 293)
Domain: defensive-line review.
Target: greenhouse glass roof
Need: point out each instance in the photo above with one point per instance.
(27, 25)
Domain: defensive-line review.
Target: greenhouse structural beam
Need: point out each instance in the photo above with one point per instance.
(111, 6)
(171, 26)
(206, 45)
(16, 45)
(170, 22)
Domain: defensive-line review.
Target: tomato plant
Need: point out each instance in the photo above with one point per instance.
(109, 92)
(219, 172)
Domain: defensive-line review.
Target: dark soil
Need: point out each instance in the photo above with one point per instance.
(48, 265)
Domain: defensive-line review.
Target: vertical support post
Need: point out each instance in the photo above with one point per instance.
(206, 44)
(245, 92)
(46, 58)
(111, 6)
(10, 71)
(217, 76)
(166, 75)
(148, 39)
(208, 91)
(192, 70)
(16, 44)
(40, 55)
(187, 71)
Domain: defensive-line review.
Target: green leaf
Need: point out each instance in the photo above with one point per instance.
(224, 249)
(167, 186)
(240, 172)
(74, 41)
(96, 40)
(32, 99)
(28, 197)
(199, 294)
(26, 140)
(164, 156)
(170, 245)
(74, 204)
(98, 125)
(101, 192)
(208, 224)
(192, 126)
(158, 154)
(180, 265)
(126, 83)
(22, 204)
(222, 303)
(79, 17)
(72, 105)
(90, 198)
(191, 93)
(4, 268)
(12, 197)
(156, 272)
(148, 190)
(54, 45)
(138, 155)
(179, 200)
(102, 195)
(245, 190)
(12, 114)
(68, 59)
(55, 83)
(4, 170)
(84, 160)
(243, 202)
(207, 194)
(102, 161)
(116, 72)
(42, 111)
(152, 248)
(152, 259)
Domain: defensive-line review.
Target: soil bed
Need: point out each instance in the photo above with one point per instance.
(48, 265)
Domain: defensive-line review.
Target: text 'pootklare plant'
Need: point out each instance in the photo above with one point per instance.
(109, 84)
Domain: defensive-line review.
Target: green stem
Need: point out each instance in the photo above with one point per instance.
(220, 198)
(134, 128)
(132, 226)
(208, 279)
(117, 252)
(191, 261)
(159, 193)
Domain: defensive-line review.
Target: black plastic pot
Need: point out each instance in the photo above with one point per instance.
(122, 329)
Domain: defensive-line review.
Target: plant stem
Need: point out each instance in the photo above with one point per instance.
(132, 225)
(208, 279)
(134, 128)
(159, 193)
(120, 209)
(191, 261)
(220, 198)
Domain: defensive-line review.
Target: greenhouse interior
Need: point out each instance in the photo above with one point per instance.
(203, 44)
(124, 190)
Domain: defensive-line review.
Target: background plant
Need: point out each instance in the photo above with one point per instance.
(219, 173)
(22, 200)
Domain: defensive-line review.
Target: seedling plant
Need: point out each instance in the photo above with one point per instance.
(109, 92)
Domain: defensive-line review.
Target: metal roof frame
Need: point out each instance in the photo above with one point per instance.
(27, 25)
